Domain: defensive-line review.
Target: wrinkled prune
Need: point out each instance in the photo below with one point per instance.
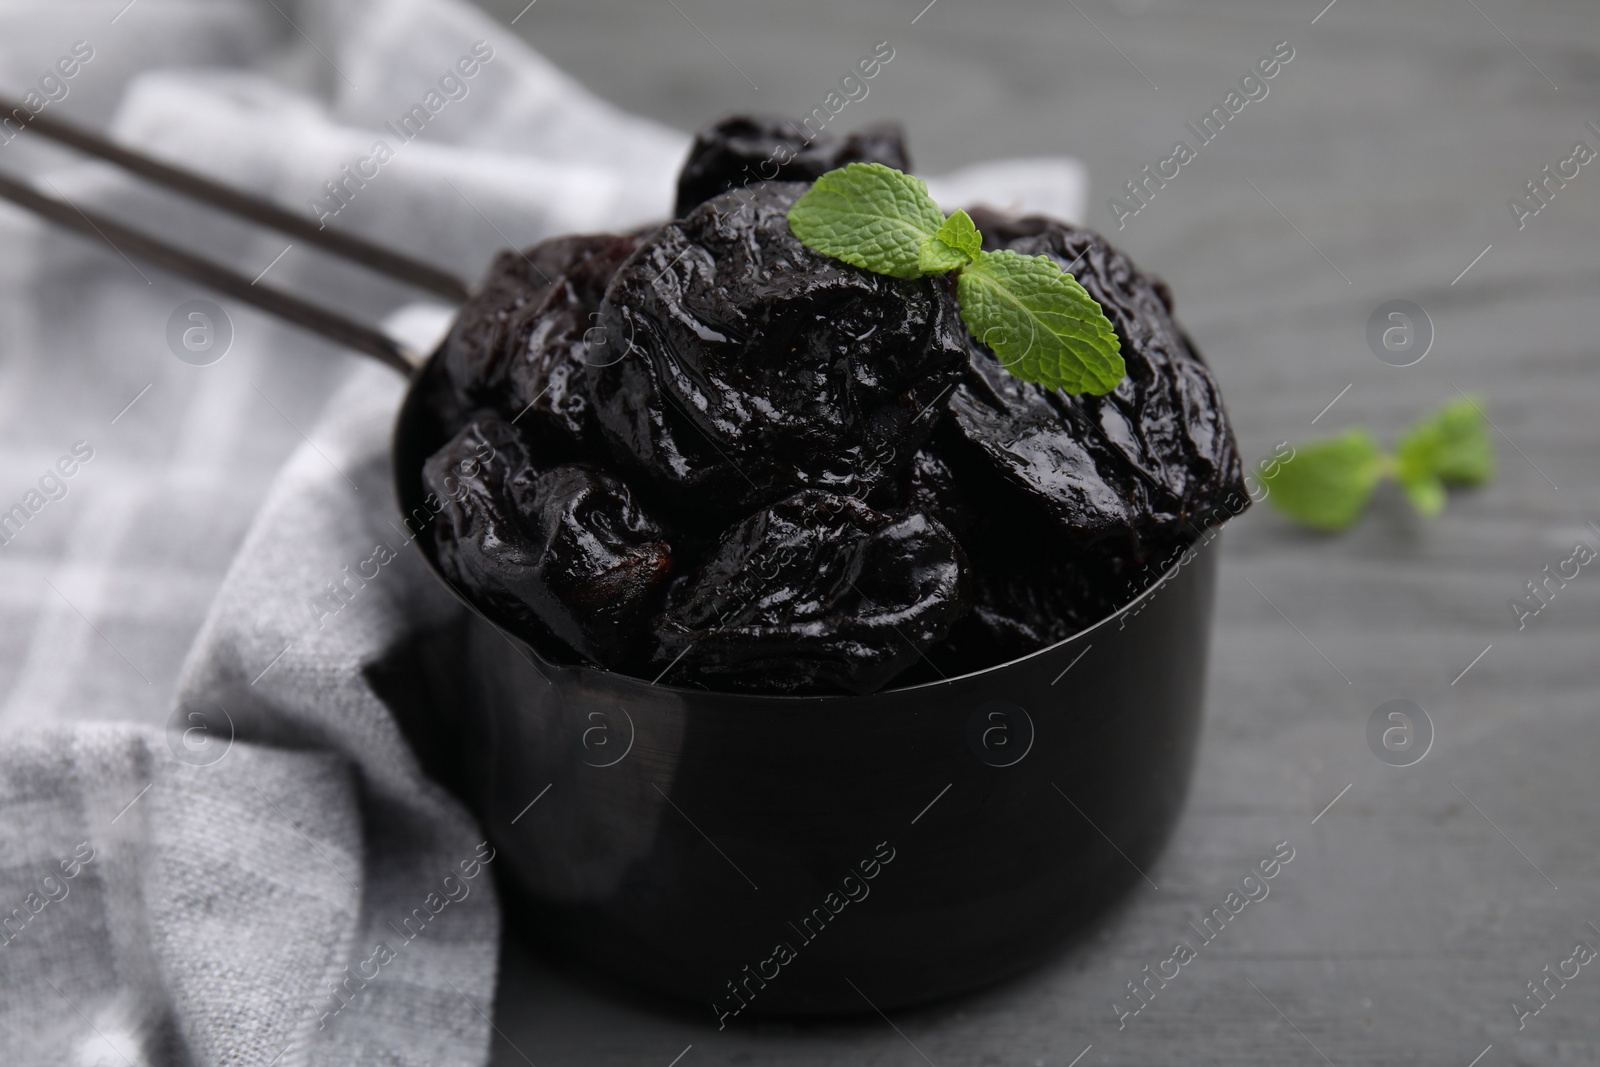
(1153, 460)
(522, 345)
(931, 485)
(744, 150)
(754, 366)
(1029, 589)
(1028, 586)
(816, 593)
(565, 551)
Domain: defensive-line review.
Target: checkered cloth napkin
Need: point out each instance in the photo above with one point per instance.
(216, 845)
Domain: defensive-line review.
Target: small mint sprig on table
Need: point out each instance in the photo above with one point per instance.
(1044, 327)
(1328, 483)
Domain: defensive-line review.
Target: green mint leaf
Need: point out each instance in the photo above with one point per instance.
(961, 233)
(1041, 323)
(1328, 483)
(870, 216)
(1452, 445)
(937, 257)
(953, 247)
(1425, 491)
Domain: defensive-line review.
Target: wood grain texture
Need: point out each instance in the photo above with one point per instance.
(1419, 905)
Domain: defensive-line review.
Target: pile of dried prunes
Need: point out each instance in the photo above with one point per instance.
(708, 455)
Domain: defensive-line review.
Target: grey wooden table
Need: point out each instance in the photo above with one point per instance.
(1378, 167)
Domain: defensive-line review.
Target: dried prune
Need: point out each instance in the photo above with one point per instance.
(930, 485)
(1029, 588)
(743, 150)
(1152, 461)
(816, 593)
(754, 366)
(521, 346)
(564, 551)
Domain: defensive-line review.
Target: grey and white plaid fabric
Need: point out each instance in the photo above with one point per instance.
(159, 904)
(215, 845)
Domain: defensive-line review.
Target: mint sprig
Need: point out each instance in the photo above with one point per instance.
(871, 216)
(1450, 447)
(955, 245)
(1044, 327)
(1041, 323)
(1327, 483)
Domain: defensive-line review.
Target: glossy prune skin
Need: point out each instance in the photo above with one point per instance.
(817, 593)
(523, 344)
(1029, 590)
(1154, 460)
(603, 557)
(1028, 587)
(755, 367)
(934, 488)
(744, 150)
(478, 538)
(564, 552)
